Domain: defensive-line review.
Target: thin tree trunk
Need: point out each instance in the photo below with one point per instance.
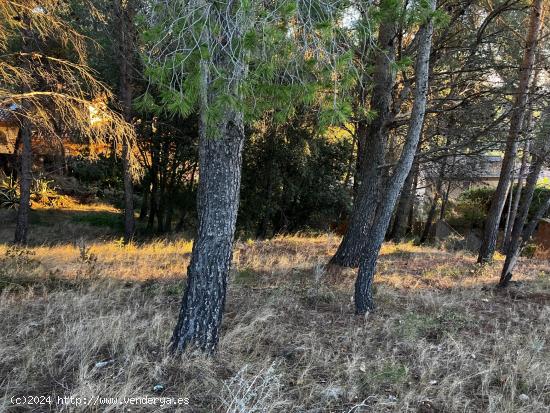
(124, 16)
(144, 204)
(507, 225)
(445, 201)
(363, 285)
(129, 220)
(261, 231)
(429, 220)
(153, 197)
(410, 223)
(403, 208)
(25, 182)
(220, 162)
(433, 207)
(513, 251)
(488, 245)
(169, 216)
(516, 198)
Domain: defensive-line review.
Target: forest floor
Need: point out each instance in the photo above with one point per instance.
(89, 317)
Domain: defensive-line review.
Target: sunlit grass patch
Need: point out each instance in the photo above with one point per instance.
(438, 337)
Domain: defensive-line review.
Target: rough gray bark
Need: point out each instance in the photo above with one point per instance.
(488, 245)
(220, 162)
(221, 143)
(25, 182)
(373, 145)
(363, 285)
(514, 247)
(124, 14)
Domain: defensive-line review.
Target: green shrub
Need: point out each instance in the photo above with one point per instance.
(470, 209)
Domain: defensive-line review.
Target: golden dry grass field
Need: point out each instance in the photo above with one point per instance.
(443, 339)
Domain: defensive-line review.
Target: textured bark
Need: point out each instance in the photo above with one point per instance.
(515, 198)
(25, 182)
(514, 247)
(220, 160)
(363, 285)
(371, 151)
(488, 245)
(403, 208)
(124, 17)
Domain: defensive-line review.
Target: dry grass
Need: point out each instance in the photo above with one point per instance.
(442, 339)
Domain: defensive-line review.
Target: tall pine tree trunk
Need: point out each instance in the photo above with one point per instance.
(363, 285)
(488, 245)
(25, 182)
(221, 144)
(220, 162)
(371, 150)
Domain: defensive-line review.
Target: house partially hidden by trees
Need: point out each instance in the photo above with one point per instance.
(49, 154)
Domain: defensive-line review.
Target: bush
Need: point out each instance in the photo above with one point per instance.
(471, 208)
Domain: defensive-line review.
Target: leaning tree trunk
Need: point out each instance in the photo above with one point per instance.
(371, 151)
(515, 198)
(488, 245)
(513, 250)
(220, 160)
(25, 182)
(364, 301)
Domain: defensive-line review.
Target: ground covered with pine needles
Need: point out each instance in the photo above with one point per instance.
(94, 318)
